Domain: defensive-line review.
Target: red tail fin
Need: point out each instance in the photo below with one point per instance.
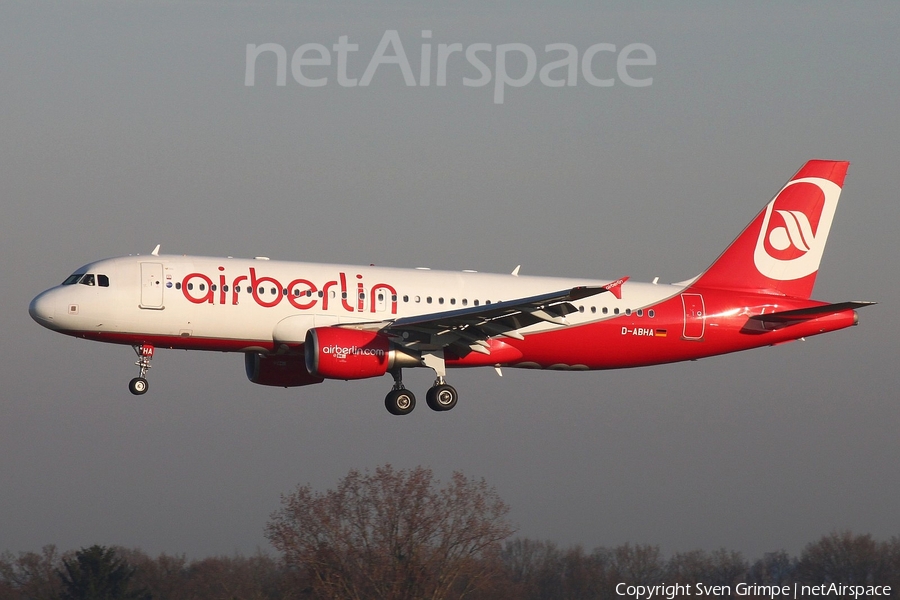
(779, 252)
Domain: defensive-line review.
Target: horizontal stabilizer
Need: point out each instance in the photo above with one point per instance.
(806, 314)
(778, 320)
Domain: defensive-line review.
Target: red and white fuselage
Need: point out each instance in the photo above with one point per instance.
(755, 294)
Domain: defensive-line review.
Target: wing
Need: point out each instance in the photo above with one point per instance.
(468, 329)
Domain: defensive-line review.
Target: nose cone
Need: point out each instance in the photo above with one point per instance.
(43, 309)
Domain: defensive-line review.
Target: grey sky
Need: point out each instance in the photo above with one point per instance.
(127, 124)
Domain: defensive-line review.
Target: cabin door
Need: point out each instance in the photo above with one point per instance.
(151, 285)
(694, 316)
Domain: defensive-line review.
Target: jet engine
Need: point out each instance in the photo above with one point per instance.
(287, 370)
(337, 353)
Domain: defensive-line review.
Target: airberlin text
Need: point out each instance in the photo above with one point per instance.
(302, 294)
(342, 352)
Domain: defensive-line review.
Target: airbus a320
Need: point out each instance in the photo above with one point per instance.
(299, 323)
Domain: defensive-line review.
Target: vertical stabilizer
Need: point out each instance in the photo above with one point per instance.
(779, 252)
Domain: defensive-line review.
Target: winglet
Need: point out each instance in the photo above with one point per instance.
(581, 292)
(156, 250)
(515, 272)
(616, 287)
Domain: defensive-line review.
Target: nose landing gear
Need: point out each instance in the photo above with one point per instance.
(139, 385)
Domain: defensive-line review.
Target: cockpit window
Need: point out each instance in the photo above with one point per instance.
(87, 279)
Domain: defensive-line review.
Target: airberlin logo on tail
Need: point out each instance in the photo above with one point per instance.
(795, 227)
(797, 233)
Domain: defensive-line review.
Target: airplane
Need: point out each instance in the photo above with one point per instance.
(300, 323)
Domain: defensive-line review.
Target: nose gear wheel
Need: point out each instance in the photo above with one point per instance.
(139, 384)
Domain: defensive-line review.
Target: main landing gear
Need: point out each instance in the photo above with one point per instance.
(401, 401)
(440, 397)
(139, 385)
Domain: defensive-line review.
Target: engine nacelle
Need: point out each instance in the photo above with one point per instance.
(278, 370)
(336, 353)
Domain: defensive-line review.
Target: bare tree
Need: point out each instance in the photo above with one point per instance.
(30, 576)
(721, 567)
(393, 535)
(843, 557)
(639, 564)
(774, 568)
